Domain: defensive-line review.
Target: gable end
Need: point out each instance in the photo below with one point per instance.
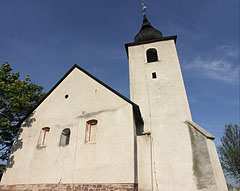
(136, 110)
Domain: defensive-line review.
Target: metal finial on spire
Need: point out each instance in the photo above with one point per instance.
(144, 7)
(147, 32)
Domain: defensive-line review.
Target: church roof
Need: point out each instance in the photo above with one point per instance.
(147, 32)
(136, 110)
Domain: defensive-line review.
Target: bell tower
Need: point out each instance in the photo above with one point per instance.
(166, 145)
(157, 86)
(156, 82)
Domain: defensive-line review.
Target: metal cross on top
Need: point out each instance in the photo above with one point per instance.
(144, 7)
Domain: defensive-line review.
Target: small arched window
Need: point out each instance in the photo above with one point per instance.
(91, 131)
(65, 137)
(43, 137)
(152, 55)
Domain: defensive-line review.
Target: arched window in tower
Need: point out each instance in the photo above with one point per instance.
(65, 137)
(91, 131)
(152, 55)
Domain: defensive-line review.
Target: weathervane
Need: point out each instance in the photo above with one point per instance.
(144, 7)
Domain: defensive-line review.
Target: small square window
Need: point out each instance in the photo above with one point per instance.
(154, 75)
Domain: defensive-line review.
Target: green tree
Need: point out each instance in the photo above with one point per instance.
(229, 151)
(17, 98)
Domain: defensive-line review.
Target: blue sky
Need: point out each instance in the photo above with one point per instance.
(45, 38)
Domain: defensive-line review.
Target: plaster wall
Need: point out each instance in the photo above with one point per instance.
(202, 165)
(206, 165)
(164, 106)
(109, 160)
(217, 169)
(144, 163)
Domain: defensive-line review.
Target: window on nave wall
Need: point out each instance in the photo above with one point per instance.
(152, 55)
(42, 141)
(91, 131)
(65, 137)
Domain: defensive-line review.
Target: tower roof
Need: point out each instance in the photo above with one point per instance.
(147, 32)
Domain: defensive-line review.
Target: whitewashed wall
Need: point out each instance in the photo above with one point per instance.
(110, 160)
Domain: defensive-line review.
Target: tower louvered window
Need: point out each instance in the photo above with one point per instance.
(152, 55)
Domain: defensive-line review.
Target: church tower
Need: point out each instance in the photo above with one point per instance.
(156, 82)
(166, 143)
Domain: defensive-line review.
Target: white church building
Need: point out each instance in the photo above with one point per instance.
(86, 136)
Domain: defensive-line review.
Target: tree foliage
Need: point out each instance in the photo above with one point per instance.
(17, 98)
(229, 151)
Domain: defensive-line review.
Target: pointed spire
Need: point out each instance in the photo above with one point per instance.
(147, 32)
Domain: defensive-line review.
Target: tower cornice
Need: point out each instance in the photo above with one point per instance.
(150, 41)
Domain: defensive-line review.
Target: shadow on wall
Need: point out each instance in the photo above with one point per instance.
(2, 170)
(18, 143)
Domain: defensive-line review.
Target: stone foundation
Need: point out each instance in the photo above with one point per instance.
(70, 187)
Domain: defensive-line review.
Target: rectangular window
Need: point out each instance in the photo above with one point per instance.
(91, 131)
(154, 75)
